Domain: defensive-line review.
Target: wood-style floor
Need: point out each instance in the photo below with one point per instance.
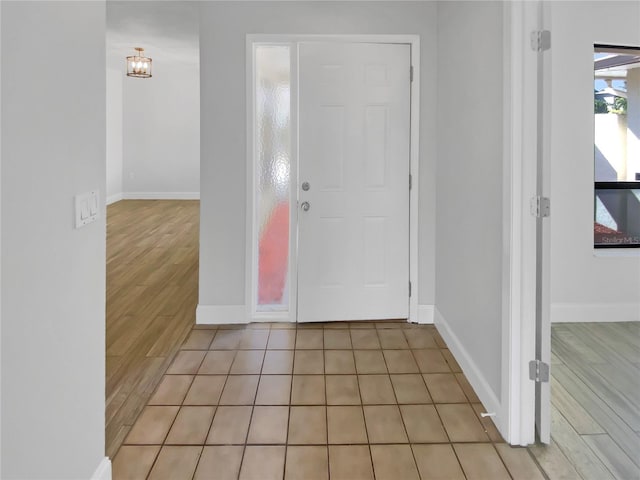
(595, 397)
(152, 288)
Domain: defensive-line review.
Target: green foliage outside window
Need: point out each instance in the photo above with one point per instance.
(600, 106)
(619, 106)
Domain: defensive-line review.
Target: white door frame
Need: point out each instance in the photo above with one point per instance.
(251, 231)
(519, 226)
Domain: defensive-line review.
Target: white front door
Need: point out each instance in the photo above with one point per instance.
(353, 181)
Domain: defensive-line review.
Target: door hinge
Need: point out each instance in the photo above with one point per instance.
(411, 73)
(409, 288)
(540, 40)
(540, 206)
(538, 371)
(410, 182)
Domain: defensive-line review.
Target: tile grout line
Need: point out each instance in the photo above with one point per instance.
(326, 400)
(246, 438)
(293, 369)
(198, 462)
(215, 408)
(504, 464)
(446, 432)
(364, 418)
(537, 463)
(397, 405)
(174, 419)
(182, 405)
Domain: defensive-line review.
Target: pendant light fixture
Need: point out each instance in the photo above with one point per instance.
(138, 65)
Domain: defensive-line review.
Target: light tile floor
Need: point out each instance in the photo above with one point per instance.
(364, 400)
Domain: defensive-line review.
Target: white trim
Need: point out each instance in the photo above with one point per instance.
(250, 236)
(251, 257)
(543, 316)
(616, 252)
(161, 196)
(426, 314)
(519, 240)
(511, 220)
(414, 194)
(103, 472)
(595, 312)
(276, 317)
(341, 38)
(0, 250)
(293, 170)
(221, 314)
(473, 374)
(116, 197)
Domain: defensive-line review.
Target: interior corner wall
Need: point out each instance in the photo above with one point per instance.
(53, 275)
(114, 130)
(161, 125)
(223, 30)
(586, 285)
(469, 194)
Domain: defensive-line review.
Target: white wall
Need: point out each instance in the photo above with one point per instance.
(114, 131)
(610, 147)
(585, 286)
(223, 30)
(469, 189)
(161, 125)
(53, 276)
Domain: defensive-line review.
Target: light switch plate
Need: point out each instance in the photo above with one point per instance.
(87, 208)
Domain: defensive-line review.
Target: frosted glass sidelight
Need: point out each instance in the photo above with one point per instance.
(272, 163)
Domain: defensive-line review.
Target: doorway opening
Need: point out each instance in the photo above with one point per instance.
(153, 213)
(594, 400)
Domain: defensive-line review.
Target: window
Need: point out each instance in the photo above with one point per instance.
(617, 147)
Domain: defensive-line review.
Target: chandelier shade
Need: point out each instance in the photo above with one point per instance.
(138, 65)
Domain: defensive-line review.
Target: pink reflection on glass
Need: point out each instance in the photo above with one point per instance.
(273, 256)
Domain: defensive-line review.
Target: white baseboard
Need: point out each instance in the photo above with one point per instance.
(221, 314)
(473, 374)
(426, 314)
(103, 472)
(161, 195)
(594, 312)
(114, 198)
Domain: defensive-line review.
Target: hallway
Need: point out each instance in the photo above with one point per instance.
(341, 400)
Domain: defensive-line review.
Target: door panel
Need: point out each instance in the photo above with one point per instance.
(353, 247)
